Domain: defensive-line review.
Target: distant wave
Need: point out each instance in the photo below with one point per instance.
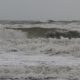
(36, 22)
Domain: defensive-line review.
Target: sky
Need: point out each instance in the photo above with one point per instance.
(40, 9)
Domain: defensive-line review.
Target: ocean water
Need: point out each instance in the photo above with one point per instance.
(26, 53)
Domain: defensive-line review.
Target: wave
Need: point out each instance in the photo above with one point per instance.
(36, 32)
(37, 22)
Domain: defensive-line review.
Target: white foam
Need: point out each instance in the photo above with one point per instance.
(17, 59)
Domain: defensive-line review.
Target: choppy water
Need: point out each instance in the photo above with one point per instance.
(25, 53)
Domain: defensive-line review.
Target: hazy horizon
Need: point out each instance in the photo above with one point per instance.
(39, 9)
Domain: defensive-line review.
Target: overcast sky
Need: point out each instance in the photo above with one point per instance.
(40, 9)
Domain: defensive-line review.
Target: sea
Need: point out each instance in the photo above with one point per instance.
(34, 50)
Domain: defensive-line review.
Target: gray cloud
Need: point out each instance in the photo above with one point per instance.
(40, 9)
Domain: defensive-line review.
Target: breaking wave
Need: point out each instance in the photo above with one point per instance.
(28, 52)
(36, 32)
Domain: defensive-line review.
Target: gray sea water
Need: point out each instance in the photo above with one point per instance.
(40, 51)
